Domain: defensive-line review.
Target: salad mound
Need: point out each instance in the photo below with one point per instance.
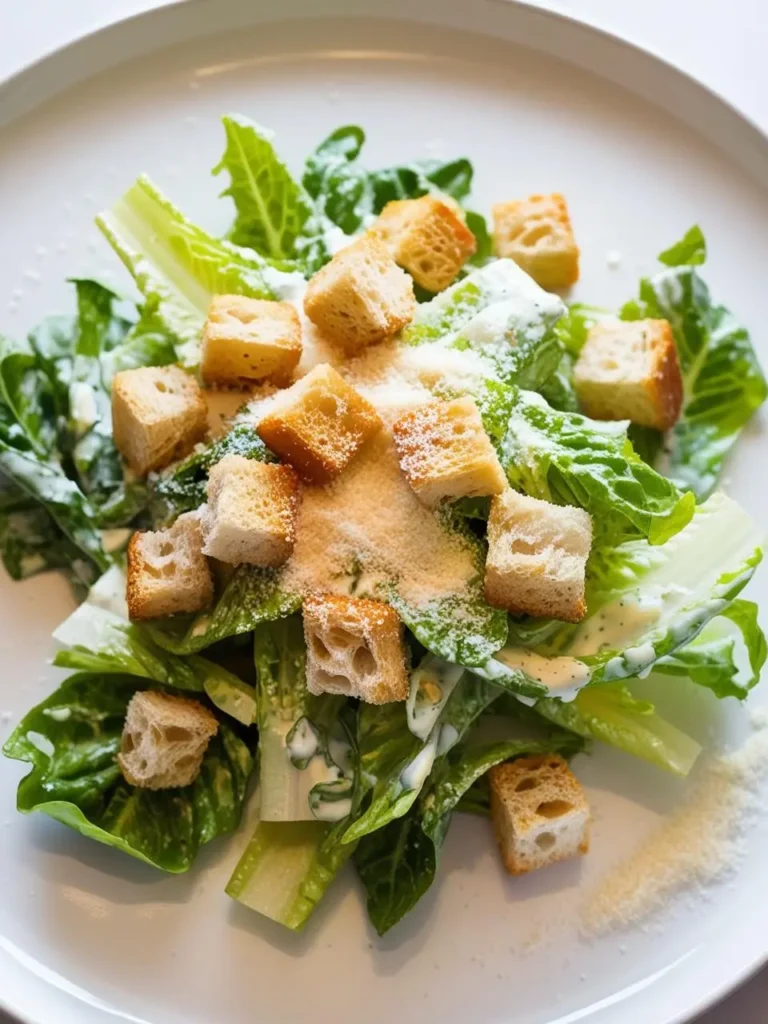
(404, 575)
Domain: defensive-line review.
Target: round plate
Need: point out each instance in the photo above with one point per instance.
(539, 103)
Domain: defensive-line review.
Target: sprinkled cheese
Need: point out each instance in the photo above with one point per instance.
(368, 529)
(694, 847)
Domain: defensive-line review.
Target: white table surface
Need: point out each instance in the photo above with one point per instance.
(714, 40)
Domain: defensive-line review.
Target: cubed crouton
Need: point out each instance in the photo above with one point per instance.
(630, 371)
(361, 296)
(251, 512)
(426, 237)
(539, 812)
(536, 233)
(355, 648)
(158, 415)
(445, 452)
(164, 740)
(318, 424)
(249, 339)
(167, 572)
(537, 553)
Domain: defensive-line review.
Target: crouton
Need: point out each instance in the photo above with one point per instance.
(318, 424)
(537, 553)
(355, 648)
(164, 740)
(445, 452)
(361, 296)
(251, 512)
(536, 233)
(630, 371)
(249, 339)
(158, 415)
(426, 237)
(539, 812)
(167, 572)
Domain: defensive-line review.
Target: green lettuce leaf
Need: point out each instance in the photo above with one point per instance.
(271, 208)
(571, 460)
(252, 595)
(723, 383)
(612, 715)
(727, 656)
(178, 267)
(71, 740)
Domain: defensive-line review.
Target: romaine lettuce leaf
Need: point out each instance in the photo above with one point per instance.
(252, 595)
(611, 714)
(398, 863)
(71, 740)
(572, 460)
(271, 208)
(177, 266)
(722, 379)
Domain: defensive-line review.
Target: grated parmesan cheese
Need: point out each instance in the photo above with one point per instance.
(368, 529)
(695, 846)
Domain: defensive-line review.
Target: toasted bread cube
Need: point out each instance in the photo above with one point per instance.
(355, 648)
(361, 296)
(249, 339)
(630, 371)
(318, 424)
(539, 812)
(537, 553)
(445, 452)
(167, 571)
(536, 233)
(158, 415)
(426, 237)
(251, 512)
(164, 740)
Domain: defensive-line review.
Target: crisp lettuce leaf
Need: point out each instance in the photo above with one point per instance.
(723, 382)
(271, 208)
(71, 740)
(398, 863)
(572, 460)
(727, 656)
(645, 603)
(177, 266)
(612, 715)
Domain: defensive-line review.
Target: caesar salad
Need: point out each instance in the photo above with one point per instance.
(439, 497)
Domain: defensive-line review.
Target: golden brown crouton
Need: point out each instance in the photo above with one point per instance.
(445, 452)
(167, 572)
(164, 740)
(361, 296)
(249, 339)
(426, 237)
(537, 553)
(536, 233)
(318, 424)
(629, 370)
(251, 512)
(158, 415)
(355, 647)
(539, 812)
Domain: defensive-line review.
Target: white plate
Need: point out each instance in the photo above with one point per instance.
(86, 934)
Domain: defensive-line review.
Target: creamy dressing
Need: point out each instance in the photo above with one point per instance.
(449, 734)
(82, 403)
(288, 286)
(41, 743)
(431, 686)
(58, 714)
(302, 742)
(617, 624)
(562, 676)
(415, 774)
(108, 592)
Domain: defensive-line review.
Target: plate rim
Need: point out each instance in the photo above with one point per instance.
(52, 62)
